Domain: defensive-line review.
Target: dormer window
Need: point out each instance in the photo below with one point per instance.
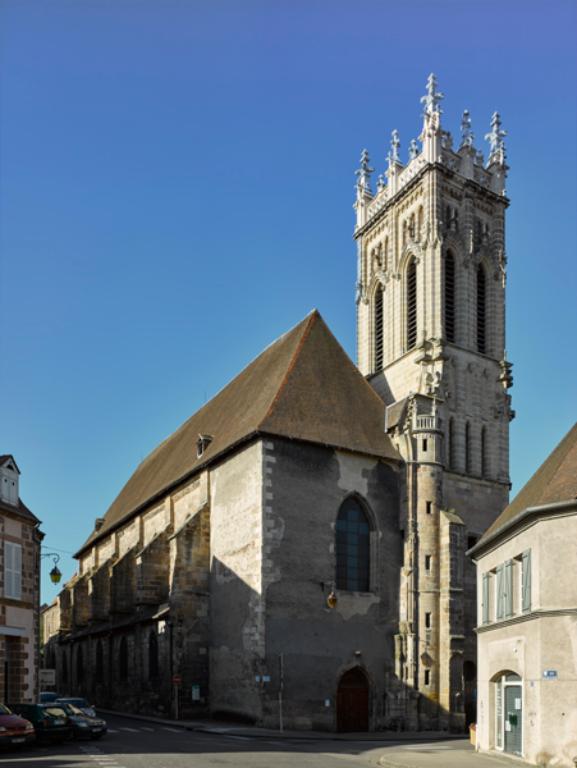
(9, 473)
(202, 444)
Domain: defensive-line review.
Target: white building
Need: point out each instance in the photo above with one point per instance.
(527, 624)
(19, 589)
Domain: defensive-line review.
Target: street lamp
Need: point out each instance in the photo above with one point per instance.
(55, 574)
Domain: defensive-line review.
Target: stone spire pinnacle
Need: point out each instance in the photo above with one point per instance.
(363, 174)
(433, 97)
(393, 156)
(495, 138)
(467, 134)
(413, 149)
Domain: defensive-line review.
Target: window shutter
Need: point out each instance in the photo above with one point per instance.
(12, 570)
(500, 607)
(17, 575)
(485, 604)
(8, 569)
(526, 580)
(508, 588)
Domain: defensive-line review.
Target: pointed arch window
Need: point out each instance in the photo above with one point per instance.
(483, 452)
(99, 662)
(152, 656)
(378, 328)
(79, 666)
(353, 547)
(481, 310)
(123, 659)
(449, 296)
(451, 443)
(468, 448)
(411, 304)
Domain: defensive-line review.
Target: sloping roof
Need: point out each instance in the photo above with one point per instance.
(21, 510)
(304, 387)
(555, 481)
(5, 457)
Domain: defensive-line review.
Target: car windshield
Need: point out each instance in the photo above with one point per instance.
(4, 710)
(55, 711)
(75, 702)
(72, 710)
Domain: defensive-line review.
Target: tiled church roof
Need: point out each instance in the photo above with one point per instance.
(303, 387)
(555, 481)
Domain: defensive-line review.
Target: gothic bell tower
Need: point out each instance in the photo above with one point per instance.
(431, 340)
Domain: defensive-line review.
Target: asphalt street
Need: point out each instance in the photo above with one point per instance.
(134, 744)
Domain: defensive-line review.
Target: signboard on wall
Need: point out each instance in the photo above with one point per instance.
(47, 679)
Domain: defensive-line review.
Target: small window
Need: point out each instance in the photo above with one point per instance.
(427, 620)
(202, 444)
(427, 677)
(425, 444)
(471, 541)
(427, 562)
(429, 507)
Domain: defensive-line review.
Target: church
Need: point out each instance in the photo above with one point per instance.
(294, 554)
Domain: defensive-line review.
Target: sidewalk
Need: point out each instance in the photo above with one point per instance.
(430, 756)
(234, 729)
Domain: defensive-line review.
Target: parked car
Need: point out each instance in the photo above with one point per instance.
(48, 696)
(14, 729)
(82, 704)
(84, 726)
(50, 721)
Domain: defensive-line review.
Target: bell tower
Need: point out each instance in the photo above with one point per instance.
(430, 302)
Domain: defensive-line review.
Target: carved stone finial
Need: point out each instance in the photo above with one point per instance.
(495, 138)
(433, 97)
(381, 183)
(413, 149)
(467, 135)
(393, 156)
(363, 174)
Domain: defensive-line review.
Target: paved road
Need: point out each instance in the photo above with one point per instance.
(134, 744)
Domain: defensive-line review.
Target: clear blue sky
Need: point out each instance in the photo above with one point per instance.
(176, 189)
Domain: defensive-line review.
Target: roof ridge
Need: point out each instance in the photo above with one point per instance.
(314, 315)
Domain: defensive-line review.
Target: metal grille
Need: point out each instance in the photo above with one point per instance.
(378, 329)
(450, 297)
(411, 305)
(481, 310)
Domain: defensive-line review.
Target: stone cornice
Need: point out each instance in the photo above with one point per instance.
(529, 616)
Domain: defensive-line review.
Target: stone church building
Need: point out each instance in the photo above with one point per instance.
(295, 552)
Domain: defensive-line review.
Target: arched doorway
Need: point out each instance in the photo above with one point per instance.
(353, 701)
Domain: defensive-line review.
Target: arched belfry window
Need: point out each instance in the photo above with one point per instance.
(353, 547)
(451, 443)
(411, 304)
(378, 329)
(468, 448)
(450, 296)
(481, 310)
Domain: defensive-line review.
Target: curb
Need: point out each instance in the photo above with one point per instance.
(236, 730)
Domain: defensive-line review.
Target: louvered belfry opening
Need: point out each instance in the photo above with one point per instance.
(483, 452)
(481, 310)
(450, 297)
(378, 329)
(411, 304)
